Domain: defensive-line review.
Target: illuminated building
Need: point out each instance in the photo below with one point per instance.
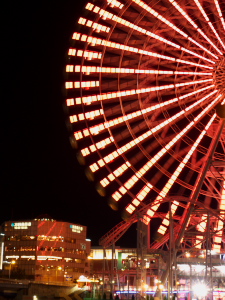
(45, 249)
(125, 266)
(119, 269)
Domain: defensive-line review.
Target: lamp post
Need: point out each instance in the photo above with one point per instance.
(56, 271)
(160, 287)
(10, 267)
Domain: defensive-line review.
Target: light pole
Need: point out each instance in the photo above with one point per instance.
(57, 269)
(10, 267)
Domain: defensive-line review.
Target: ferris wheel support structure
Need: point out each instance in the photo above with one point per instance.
(194, 197)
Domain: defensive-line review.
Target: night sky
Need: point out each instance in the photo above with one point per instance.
(40, 172)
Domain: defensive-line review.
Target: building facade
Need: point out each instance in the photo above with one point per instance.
(45, 250)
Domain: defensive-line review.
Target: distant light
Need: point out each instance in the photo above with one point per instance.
(88, 240)
(200, 289)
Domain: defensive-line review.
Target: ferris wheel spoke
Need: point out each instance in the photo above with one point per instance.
(179, 169)
(177, 172)
(111, 95)
(146, 168)
(98, 41)
(114, 122)
(93, 69)
(184, 14)
(94, 167)
(171, 25)
(209, 23)
(185, 94)
(220, 13)
(107, 15)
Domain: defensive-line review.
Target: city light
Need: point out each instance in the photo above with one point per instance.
(200, 289)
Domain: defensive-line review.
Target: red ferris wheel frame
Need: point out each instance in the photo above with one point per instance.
(145, 88)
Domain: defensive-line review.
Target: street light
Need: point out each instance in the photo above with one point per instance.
(160, 287)
(10, 266)
(58, 269)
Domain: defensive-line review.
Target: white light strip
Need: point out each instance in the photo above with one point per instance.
(93, 69)
(81, 84)
(44, 257)
(116, 3)
(99, 145)
(89, 55)
(2, 247)
(93, 25)
(112, 176)
(88, 115)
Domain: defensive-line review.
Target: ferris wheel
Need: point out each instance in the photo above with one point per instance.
(145, 97)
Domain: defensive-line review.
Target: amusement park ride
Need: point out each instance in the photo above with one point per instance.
(145, 98)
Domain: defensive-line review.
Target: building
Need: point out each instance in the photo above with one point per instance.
(45, 250)
(121, 270)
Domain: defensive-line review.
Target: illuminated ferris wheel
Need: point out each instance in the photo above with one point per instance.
(145, 90)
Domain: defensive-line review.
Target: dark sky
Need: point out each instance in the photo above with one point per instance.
(40, 172)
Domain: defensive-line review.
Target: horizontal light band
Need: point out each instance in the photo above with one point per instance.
(93, 25)
(89, 55)
(100, 127)
(93, 69)
(105, 96)
(97, 41)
